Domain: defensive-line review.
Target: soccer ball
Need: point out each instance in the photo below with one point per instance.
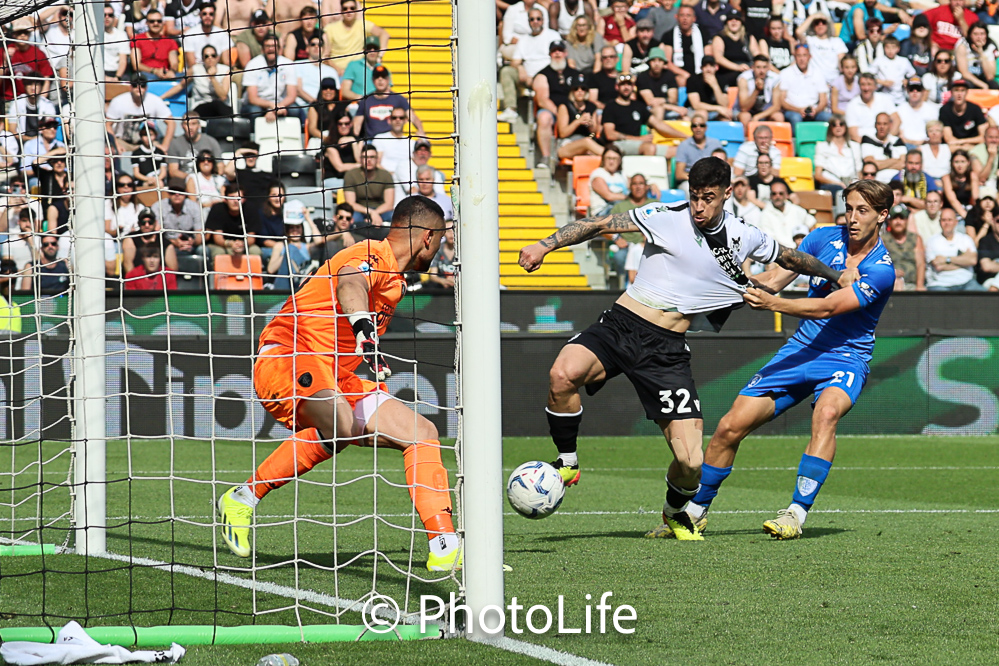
(535, 490)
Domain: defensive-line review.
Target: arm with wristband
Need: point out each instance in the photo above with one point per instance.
(352, 295)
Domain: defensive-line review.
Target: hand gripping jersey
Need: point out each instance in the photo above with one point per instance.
(312, 321)
(692, 270)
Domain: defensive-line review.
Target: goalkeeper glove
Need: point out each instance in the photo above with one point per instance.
(364, 331)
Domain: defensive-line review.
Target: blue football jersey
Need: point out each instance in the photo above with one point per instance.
(852, 332)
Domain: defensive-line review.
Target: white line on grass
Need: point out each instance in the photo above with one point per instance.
(538, 652)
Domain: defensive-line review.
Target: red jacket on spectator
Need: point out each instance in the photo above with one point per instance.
(943, 27)
(32, 59)
(155, 52)
(138, 279)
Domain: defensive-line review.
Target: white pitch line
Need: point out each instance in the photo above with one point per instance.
(538, 651)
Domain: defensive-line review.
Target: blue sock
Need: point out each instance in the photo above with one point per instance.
(711, 480)
(812, 473)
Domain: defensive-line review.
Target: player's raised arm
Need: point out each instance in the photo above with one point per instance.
(805, 264)
(532, 256)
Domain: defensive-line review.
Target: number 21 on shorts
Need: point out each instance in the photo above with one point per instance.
(683, 395)
(839, 375)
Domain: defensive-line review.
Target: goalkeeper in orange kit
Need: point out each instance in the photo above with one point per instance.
(304, 374)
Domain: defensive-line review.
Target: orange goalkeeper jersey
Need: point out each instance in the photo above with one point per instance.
(312, 321)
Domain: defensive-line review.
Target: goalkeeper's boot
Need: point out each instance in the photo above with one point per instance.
(784, 526)
(664, 531)
(569, 473)
(236, 518)
(450, 562)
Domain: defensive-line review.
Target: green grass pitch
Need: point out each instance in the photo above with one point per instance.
(897, 564)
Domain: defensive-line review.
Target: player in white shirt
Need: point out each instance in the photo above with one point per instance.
(911, 118)
(865, 107)
(891, 70)
(690, 271)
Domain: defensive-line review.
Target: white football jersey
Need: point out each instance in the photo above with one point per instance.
(681, 271)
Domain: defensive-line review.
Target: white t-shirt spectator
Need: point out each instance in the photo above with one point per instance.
(130, 116)
(746, 156)
(937, 165)
(845, 166)
(11, 148)
(202, 90)
(896, 70)
(913, 127)
(405, 180)
(616, 183)
(308, 76)
(802, 89)
(533, 50)
(938, 246)
(825, 55)
(20, 109)
(394, 150)
(870, 147)
(271, 82)
(57, 44)
(115, 44)
(783, 225)
(773, 78)
(862, 117)
(515, 23)
(195, 39)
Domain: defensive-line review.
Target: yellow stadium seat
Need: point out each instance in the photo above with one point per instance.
(679, 125)
(799, 173)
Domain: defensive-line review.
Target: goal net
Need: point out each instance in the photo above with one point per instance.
(220, 194)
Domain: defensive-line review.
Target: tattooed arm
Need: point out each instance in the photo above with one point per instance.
(806, 264)
(532, 256)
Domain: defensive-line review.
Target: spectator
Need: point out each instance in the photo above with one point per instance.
(976, 58)
(48, 274)
(906, 250)
(250, 43)
(936, 154)
(685, 46)
(951, 257)
(371, 117)
(657, 88)
(892, 71)
(603, 84)
(619, 27)
(697, 147)
(357, 77)
(211, 85)
(297, 42)
(227, 224)
(796, 13)
(205, 185)
(608, 184)
(585, 43)
(291, 257)
(778, 45)
(782, 219)
(623, 120)
(444, 266)
(154, 53)
(827, 51)
(406, 172)
(116, 46)
(883, 150)
(31, 107)
(712, 15)
(530, 55)
(128, 113)
(704, 91)
(149, 164)
(562, 16)
(323, 115)
(58, 40)
(180, 16)
(181, 221)
(426, 186)
(135, 16)
(868, 172)
(984, 161)
(937, 81)
(270, 88)
(311, 72)
(10, 311)
(54, 188)
(802, 93)
(577, 123)
(756, 93)
(964, 122)
(740, 205)
(913, 116)
(862, 110)
(185, 149)
(635, 56)
(24, 60)
(149, 274)
(762, 144)
(341, 153)
(24, 245)
(369, 190)
(837, 159)
(16, 201)
(854, 27)
(915, 182)
(149, 233)
(949, 23)
(346, 36)
(918, 47)
(243, 170)
(988, 251)
(960, 186)
(516, 25)
(39, 151)
(761, 181)
(926, 222)
(551, 88)
(626, 252)
(976, 223)
(663, 17)
(638, 196)
(340, 237)
(733, 50)
(204, 34)
(870, 49)
(271, 230)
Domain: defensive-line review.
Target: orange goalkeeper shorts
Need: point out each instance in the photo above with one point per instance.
(282, 378)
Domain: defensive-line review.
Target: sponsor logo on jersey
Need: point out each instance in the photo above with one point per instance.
(886, 260)
(867, 289)
(838, 244)
(807, 486)
(757, 378)
(364, 267)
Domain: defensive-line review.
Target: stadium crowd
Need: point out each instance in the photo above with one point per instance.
(903, 91)
(188, 195)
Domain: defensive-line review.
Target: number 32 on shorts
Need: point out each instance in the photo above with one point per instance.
(837, 378)
(682, 405)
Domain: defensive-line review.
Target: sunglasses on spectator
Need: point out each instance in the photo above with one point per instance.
(125, 183)
(398, 117)
(147, 220)
(139, 85)
(343, 123)
(154, 21)
(315, 42)
(250, 156)
(535, 18)
(50, 244)
(108, 14)
(943, 60)
(344, 216)
(837, 123)
(698, 124)
(211, 55)
(608, 57)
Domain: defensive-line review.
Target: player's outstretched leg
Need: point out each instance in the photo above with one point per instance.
(815, 464)
(682, 479)
(575, 366)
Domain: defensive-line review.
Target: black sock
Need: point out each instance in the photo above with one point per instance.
(564, 429)
(677, 498)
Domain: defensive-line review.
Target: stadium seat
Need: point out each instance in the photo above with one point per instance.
(159, 88)
(984, 98)
(731, 134)
(733, 96)
(681, 96)
(654, 168)
(297, 168)
(229, 129)
(819, 203)
(783, 138)
(682, 126)
(246, 276)
(582, 167)
(672, 196)
(798, 172)
(279, 137)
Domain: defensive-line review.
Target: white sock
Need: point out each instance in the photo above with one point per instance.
(696, 511)
(799, 512)
(444, 544)
(569, 459)
(244, 495)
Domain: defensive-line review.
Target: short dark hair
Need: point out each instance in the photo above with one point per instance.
(867, 75)
(344, 207)
(892, 39)
(781, 182)
(416, 207)
(874, 192)
(761, 58)
(710, 172)
(149, 250)
(368, 147)
(231, 188)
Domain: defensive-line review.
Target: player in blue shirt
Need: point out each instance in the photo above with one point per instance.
(827, 357)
